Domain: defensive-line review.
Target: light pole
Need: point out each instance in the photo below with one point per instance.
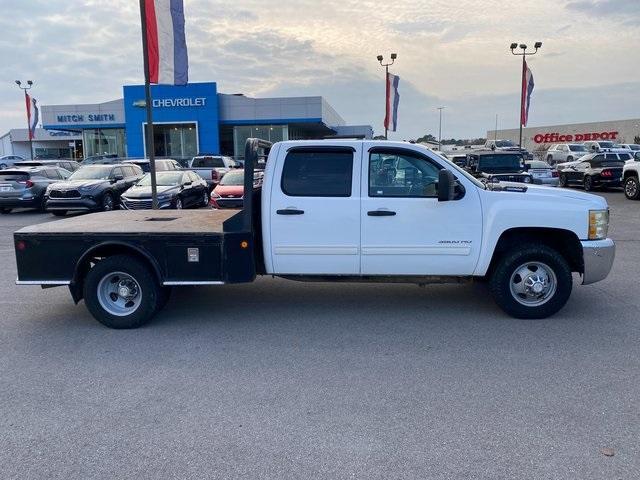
(26, 99)
(386, 85)
(523, 54)
(440, 129)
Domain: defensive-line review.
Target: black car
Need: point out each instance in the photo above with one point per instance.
(103, 159)
(498, 166)
(593, 170)
(163, 165)
(92, 188)
(69, 165)
(24, 187)
(176, 189)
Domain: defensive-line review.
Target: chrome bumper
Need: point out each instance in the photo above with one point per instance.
(598, 258)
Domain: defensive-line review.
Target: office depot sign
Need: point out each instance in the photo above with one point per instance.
(577, 137)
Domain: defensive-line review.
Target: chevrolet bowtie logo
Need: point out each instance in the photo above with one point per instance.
(140, 103)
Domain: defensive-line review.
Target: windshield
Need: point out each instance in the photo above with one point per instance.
(537, 164)
(233, 179)
(502, 162)
(163, 179)
(207, 162)
(634, 147)
(504, 143)
(91, 173)
(577, 148)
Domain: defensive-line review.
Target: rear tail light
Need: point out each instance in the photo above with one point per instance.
(215, 175)
(555, 173)
(27, 183)
(606, 173)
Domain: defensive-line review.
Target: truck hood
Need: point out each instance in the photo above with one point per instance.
(552, 194)
(75, 184)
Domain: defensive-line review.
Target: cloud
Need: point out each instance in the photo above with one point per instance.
(450, 53)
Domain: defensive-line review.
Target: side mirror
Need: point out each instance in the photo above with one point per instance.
(187, 184)
(446, 185)
(117, 178)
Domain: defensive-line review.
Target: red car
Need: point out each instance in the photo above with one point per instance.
(230, 191)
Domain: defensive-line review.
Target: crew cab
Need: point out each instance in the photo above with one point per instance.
(496, 166)
(332, 210)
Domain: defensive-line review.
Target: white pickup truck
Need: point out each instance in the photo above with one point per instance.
(357, 211)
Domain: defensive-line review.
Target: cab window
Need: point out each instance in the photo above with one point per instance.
(402, 175)
(321, 173)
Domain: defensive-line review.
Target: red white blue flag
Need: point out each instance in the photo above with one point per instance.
(166, 43)
(33, 115)
(393, 99)
(527, 89)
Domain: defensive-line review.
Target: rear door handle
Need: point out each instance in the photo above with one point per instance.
(290, 211)
(381, 213)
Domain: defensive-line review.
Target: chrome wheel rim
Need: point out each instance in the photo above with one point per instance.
(205, 199)
(533, 284)
(107, 203)
(119, 294)
(178, 204)
(631, 188)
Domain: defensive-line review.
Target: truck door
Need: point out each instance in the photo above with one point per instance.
(315, 211)
(405, 229)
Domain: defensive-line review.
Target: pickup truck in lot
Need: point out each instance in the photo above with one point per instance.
(333, 210)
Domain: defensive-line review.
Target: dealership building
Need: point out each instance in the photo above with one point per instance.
(190, 120)
(541, 138)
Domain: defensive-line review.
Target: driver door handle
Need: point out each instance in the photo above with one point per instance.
(290, 211)
(381, 213)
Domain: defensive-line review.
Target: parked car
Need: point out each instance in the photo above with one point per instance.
(507, 146)
(592, 171)
(24, 187)
(542, 173)
(631, 147)
(603, 146)
(565, 152)
(92, 188)
(162, 165)
(69, 165)
(7, 161)
(459, 159)
(229, 193)
(497, 166)
(630, 176)
(102, 159)
(176, 189)
(212, 167)
(323, 216)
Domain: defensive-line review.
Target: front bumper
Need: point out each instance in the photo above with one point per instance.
(20, 202)
(81, 204)
(598, 256)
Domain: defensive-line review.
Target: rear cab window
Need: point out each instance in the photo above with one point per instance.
(318, 173)
(9, 176)
(208, 162)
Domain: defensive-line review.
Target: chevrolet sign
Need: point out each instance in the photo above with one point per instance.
(173, 102)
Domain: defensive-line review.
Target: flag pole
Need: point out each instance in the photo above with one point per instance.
(148, 105)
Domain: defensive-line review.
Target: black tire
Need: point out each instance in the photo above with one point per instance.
(562, 180)
(3, 166)
(205, 199)
(5, 211)
(569, 159)
(506, 270)
(108, 203)
(59, 213)
(632, 188)
(587, 183)
(549, 159)
(179, 205)
(150, 292)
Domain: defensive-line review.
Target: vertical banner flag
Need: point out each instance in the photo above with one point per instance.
(166, 43)
(393, 99)
(33, 114)
(527, 89)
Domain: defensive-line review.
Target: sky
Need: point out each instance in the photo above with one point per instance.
(450, 53)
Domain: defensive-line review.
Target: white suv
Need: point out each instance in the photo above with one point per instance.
(565, 152)
(604, 147)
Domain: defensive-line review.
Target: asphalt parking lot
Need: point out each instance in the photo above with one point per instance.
(285, 380)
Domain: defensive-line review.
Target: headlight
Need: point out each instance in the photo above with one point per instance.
(598, 224)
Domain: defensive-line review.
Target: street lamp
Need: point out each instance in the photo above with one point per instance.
(386, 81)
(26, 99)
(523, 54)
(440, 129)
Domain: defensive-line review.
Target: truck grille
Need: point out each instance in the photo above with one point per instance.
(64, 194)
(510, 178)
(137, 204)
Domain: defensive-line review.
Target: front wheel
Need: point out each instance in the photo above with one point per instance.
(121, 292)
(107, 202)
(632, 188)
(205, 199)
(562, 180)
(179, 204)
(531, 281)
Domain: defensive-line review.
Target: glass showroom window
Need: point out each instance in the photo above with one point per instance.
(271, 133)
(98, 141)
(175, 140)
